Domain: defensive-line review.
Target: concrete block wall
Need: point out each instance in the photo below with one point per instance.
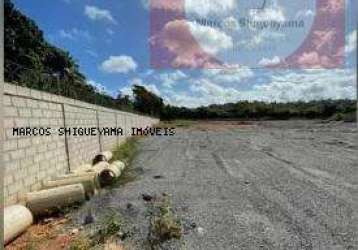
(29, 160)
(81, 148)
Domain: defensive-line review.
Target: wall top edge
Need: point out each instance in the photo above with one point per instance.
(15, 90)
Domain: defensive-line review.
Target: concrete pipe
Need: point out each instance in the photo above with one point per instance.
(103, 156)
(121, 165)
(94, 172)
(82, 169)
(17, 219)
(70, 175)
(91, 171)
(100, 166)
(89, 183)
(51, 200)
(108, 175)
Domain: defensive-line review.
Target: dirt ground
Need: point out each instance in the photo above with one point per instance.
(245, 185)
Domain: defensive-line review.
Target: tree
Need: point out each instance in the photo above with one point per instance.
(147, 102)
(124, 102)
(33, 62)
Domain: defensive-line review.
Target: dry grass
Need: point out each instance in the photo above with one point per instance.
(44, 235)
(80, 243)
(164, 225)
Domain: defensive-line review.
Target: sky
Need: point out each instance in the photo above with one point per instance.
(112, 42)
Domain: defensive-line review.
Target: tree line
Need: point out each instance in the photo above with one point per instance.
(33, 62)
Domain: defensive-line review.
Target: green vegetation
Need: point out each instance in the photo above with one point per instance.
(80, 243)
(347, 117)
(164, 225)
(32, 62)
(108, 228)
(176, 123)
(126, 151)
(245, 110)
(147, 102)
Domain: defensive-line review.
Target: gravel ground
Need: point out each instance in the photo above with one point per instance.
(263, 185)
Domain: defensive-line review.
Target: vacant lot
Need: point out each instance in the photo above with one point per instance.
(262, 185)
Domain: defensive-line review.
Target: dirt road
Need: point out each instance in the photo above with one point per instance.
(266, 185)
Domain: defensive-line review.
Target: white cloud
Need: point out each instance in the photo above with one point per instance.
(202, 92)
(203, 8)
(127, 90)
(95, 13)
(168, 80)
(222, 76)
(263, 37)
(351, 42)
(269, 62)
(305, 13)
(74, 34)
(210, 39)
(150, 87)
(272, 13)
(207, 88)
(119, 64)
(100, 87)
(309, 85)
(286, 86)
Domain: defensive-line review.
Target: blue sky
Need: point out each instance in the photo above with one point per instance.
(109, 40)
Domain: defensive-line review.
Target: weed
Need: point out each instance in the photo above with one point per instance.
(126, 151)
(111, 225)
(81, 243)
(164, 225)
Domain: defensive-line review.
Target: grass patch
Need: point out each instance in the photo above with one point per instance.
(164, 225)
(126, 151)
(177, 123)
(111, 225)
(81, 243)
(110, 228)
(346, 117)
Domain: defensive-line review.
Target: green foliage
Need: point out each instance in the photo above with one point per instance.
(109, 226)
(164, 225)
(346, 117)
(32, 62)
(125, 152)
(147, 102)
(322, 109)
(27, 51)
(124, 102)
(81, 243)
(112, 224)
